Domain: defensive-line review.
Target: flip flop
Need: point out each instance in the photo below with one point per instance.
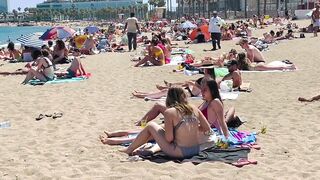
(242, 162)
(57, 115)
(41, 116)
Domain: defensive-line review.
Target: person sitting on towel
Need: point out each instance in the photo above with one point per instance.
(60, 53)
(13, 53)
(75, 69)
(44, 69)
(234, 74)
(253, 54)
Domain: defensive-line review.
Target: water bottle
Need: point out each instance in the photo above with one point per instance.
(5, 124)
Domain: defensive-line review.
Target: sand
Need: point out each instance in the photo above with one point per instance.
(69, 148)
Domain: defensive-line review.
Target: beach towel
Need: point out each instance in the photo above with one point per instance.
(224, 96)
(233, 155)
(219, 72)
(175, 60)
(59, 81)
(181, 51)
(274, 64)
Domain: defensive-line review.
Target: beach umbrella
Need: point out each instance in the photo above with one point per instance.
(58, 32)
(187, 25)
(91, 29)
(204, 30)
(309, 14)
(31, 40)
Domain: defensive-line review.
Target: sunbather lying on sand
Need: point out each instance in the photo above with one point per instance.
(212, 109)
(220, 61)
(192, 88)
(246, 65)
(315, 98)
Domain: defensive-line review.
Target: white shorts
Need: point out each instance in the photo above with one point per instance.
(316, 23)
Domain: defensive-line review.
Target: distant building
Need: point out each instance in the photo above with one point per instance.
(98, 4)
(3, 6)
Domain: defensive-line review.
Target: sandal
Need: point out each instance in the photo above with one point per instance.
(41, 116)
(57, 115)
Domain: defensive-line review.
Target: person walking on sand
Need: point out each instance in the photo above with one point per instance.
(214, 29)
(316, 20)
(133, 28)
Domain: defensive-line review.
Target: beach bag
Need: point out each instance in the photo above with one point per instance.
(302, 35)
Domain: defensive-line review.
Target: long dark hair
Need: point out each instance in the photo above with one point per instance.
(214, 89)
(211, 72)
(242, 61)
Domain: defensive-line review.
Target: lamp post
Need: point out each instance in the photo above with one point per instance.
(92, 6)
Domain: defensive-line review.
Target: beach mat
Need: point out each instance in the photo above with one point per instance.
(59, 81)
(175, 60)
(234, 155)
(219, 72)
(274, 64)
(181, 51)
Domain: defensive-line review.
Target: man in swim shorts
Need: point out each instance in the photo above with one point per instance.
(316, 20)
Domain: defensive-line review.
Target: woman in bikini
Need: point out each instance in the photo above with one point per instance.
(60, 53)
(155, 54)
(246, 65)
(183, 124)
(212, 109)
(44, 70)
(13, 53)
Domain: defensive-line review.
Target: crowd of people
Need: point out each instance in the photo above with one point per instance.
(186, 127)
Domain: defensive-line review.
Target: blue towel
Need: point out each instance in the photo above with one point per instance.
(57, 81)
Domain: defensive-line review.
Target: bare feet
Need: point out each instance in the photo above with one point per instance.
(108, 135)
(104, 140)
(138, 123)
(161, 87)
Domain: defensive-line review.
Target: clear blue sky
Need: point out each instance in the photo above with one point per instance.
(14, 4)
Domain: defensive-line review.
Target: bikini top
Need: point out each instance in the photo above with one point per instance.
(204, 111)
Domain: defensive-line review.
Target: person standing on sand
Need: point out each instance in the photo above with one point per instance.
(214, 29)
(133, 28)
(253, 54)
(316, 20)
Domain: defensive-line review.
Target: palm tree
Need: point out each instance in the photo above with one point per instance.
(258, 4)
(15, 14)
(245, 8)
(199, 7)
(265, 7)
(193, 7)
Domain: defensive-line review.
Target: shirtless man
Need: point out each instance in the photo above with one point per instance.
(253, 54)
(234, 74)
(316, 20)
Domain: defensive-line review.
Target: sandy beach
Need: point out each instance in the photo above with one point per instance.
(69, 147)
